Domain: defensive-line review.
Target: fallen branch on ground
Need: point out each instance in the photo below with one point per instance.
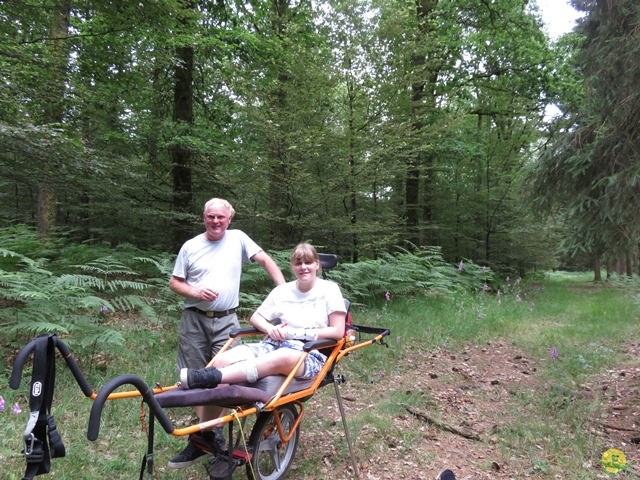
(441, 425)
(614, 427)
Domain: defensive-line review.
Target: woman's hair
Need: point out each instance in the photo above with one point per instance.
(304, 252)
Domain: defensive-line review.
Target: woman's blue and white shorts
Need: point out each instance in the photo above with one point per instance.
(312, 364)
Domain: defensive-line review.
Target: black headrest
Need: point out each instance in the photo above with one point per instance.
(328, 260)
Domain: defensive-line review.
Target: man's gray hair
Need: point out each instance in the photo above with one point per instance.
(220, 202)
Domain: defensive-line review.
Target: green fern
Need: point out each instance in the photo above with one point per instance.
(10, 253)
(101, 339)
(72, 304)
(70, 289)
(162, 263)
(83, 281)
(36, 326)
(106, 266)
(405, 273)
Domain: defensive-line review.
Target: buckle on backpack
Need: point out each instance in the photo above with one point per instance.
(29, 441)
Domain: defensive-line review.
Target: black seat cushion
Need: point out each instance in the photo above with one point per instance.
(229, 396)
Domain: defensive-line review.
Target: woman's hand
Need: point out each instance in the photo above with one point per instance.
(277, 332)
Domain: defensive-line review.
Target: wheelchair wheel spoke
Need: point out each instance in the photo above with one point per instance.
(272, 458)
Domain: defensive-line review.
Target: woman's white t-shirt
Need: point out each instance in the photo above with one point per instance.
(303, 309)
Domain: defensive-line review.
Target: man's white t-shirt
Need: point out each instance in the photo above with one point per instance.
(203, 263)
(303, 309)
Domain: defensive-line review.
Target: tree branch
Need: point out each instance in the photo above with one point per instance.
(441, 425)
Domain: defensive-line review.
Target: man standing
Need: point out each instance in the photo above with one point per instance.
(207, 273)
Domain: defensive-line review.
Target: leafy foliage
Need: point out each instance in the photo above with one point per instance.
(357, 125)
(86, 301)
(416, 273)
(37, 298)
(590, 173)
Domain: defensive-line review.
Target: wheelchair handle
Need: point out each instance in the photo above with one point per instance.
(147, 395)
(75, 369)
(18, 364)
(23, 355)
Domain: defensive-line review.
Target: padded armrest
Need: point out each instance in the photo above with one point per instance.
(244, 331)
(311, 345)
(318, 344)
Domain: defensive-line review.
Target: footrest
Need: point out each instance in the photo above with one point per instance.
(222, 468)
(242, 455)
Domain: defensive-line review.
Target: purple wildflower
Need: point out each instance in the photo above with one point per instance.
(387, 296)
(553, 352)
(485, 288)
(17, 409)
(508, 278)
(460, 266)
(499, 302)
(518, 299)
(499, 293)
(104, 309)
(398, 338)
(1, 404)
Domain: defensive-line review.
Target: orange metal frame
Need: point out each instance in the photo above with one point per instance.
(339, 350)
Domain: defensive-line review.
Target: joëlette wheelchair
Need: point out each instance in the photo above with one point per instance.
(277, 402)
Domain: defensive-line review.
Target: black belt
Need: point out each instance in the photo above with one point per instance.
(211, 313)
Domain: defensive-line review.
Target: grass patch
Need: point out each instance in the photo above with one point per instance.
(545, 428)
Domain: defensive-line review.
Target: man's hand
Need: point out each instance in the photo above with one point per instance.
(206, 294)
(181, 287)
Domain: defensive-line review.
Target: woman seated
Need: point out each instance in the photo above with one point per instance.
(308, 308)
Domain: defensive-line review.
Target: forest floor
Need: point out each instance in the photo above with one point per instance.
(477, 409)
(457, 409)
(473, 391)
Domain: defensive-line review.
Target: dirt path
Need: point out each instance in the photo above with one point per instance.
(475, 391)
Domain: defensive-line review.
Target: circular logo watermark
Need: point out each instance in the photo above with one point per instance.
(36, 389)
(614, 460)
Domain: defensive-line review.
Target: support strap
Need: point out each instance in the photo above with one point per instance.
(41, 438)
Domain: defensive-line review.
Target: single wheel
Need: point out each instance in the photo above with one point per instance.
(271, 457)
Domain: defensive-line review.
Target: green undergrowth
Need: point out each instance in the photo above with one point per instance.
(587, 326)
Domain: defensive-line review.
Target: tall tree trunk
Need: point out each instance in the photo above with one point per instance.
(351, 181)
(597, 275)
(419, 165)
(620, 265)
(427, 166)
(279, 172)
(279, 169)
(181, 155)
(54, 111)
